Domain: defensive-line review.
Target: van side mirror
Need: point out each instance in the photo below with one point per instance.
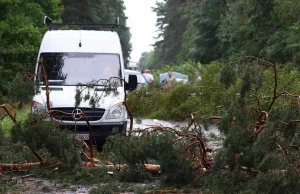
(47, 20)
(132, 83)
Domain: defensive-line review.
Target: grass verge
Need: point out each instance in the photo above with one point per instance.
(6, 124)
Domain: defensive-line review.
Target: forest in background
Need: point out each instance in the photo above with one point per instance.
(202, 31)
(22, 29)
(195, 31)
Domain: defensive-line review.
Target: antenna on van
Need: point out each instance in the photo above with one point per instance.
(54, 26)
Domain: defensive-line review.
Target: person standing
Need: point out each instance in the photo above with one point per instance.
(169, 80)
(148, 76)
(197, 77)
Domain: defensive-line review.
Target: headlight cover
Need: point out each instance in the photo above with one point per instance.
(115, 112)
(38, 108)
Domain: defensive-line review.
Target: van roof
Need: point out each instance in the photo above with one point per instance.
(91, 41)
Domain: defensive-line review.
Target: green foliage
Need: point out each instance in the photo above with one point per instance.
(115, 187)
(13, 152)
(238, 92)
(283, 45)
(171, 23)
(134, 174)
(87, 91)
(157, 148)
(21, 90)
(267, 150)
(1, 136)
(188, 68)
(145, 97)
(21, 115)
(87, 176)
(209, 30)
(46, 136)
(177, 104)
(228, 75)
(201, 35)
(21, 30)
(7, 186)
(107, 188)
(182, 100)
(148, 60)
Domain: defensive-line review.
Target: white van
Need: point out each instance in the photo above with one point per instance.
(73, 57)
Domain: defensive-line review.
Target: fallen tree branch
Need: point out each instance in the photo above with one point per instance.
(19, 166)
(46, 84)
(161, 191)
(13, 118)
(215, 117)
(42, 160)
(194, 143)
(152, 168)
(27, 176)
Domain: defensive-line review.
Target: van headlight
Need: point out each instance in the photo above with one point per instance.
(38, 108)
(115, 112)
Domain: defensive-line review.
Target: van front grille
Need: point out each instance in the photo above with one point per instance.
(92, 114)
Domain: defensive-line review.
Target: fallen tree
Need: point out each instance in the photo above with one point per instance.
(261, 129)
(181, 155)
(253, 109)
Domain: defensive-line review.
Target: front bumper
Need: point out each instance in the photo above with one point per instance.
(99, 130)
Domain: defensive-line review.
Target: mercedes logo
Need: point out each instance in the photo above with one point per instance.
(77, 114)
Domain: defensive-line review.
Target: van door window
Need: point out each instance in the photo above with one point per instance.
(75, 68)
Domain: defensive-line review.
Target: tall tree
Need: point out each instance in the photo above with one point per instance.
(201, 35)
(208, 30)
(283, 44)
(246, 27)
(99, 11)
(172, 24)
(143, 60)
(21, 30)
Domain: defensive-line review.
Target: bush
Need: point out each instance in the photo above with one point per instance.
(46, 136)
(177, 104)
(160, 149)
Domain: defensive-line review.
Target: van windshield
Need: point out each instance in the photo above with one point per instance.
(79, 68)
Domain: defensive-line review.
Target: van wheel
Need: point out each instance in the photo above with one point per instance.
(100, 141)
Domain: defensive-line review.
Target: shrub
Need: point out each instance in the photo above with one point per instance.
(39, 134)
(157, 148)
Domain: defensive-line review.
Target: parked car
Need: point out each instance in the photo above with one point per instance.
(179, 77)
(140, 78)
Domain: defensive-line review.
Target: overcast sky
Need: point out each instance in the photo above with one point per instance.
(141, 21)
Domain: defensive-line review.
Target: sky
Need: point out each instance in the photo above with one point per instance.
(141, 21)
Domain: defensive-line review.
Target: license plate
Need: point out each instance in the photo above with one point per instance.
(82, 136)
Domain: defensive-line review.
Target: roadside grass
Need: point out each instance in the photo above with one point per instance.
(21, 115)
